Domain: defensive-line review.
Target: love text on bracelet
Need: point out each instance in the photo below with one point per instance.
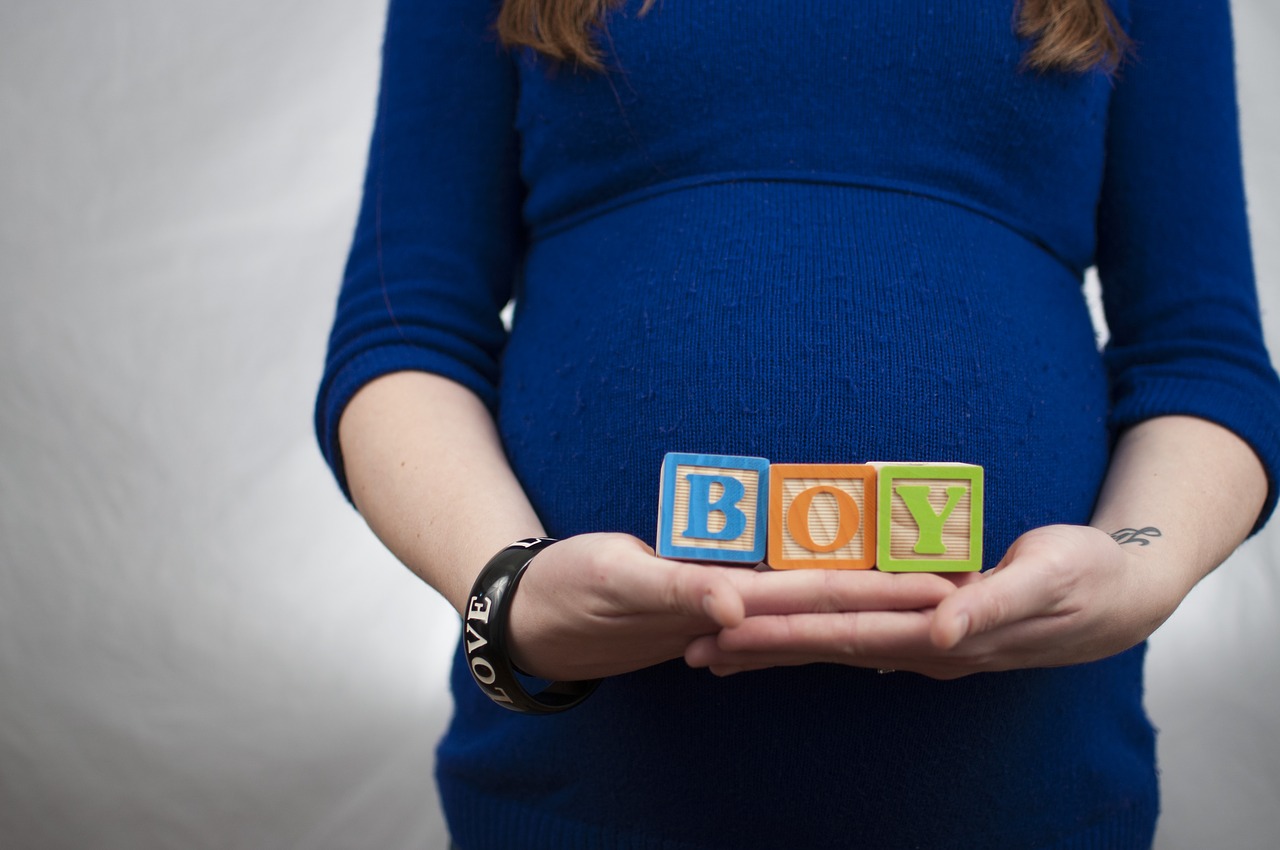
(484, 636)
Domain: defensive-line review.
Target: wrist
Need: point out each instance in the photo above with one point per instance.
(1162, 572)
(486, 619)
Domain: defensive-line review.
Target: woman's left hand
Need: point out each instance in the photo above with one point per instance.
(1061, 595)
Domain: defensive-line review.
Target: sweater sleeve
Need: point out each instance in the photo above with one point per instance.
(439, 235)
(1173, 240)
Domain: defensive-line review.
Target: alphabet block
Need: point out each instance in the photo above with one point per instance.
(930, 517)
(712, 508)
(822, 515)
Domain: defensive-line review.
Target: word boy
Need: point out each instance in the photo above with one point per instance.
(898, 517)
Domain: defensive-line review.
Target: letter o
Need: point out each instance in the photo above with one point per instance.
(846, 512)
(477, 664)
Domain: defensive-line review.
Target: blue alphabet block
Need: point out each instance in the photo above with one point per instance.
(712, 508)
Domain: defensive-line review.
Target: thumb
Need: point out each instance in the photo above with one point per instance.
(1007, 594)
(704, 592)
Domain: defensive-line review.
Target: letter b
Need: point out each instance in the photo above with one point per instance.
(711, 508)
(701, 507)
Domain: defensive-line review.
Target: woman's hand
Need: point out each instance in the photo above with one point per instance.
(1061, 595)
(602, 604)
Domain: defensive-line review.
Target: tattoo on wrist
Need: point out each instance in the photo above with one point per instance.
(1135, 535)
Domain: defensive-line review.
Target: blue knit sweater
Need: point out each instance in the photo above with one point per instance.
(819, 231)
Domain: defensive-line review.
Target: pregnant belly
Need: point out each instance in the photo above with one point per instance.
(801, 323)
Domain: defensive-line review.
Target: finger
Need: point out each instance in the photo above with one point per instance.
(827, 591)
(690, 590)
(1020, 588)
(625, 580)
(965, 578)
(842, 636)
(723, 603)
(706, 652)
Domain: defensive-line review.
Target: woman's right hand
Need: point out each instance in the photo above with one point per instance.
(599, 605)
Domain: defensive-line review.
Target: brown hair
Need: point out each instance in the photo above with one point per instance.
(1066, 35)
(1071, 35)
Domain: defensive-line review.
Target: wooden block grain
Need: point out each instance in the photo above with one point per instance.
(712, 508)
(822, 516)
(930, 517)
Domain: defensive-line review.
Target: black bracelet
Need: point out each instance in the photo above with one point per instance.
(484, 636)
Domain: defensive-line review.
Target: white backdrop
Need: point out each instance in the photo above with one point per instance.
(200, 644)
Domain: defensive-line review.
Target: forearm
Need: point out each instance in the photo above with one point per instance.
(1181, 493)
(428, 473)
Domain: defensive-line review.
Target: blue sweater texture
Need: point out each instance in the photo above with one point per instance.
(821, 231)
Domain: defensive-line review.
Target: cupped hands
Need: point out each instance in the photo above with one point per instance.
(1061, 595)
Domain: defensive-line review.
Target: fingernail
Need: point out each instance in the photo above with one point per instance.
(725, 671)
(708, 602)
(963, 621)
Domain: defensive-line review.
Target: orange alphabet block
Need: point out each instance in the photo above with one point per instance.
(822, 515)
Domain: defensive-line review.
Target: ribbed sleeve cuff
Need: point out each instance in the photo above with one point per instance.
(1253, 414)
(342, 382)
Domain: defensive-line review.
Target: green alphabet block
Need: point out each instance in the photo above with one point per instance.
(930, 517)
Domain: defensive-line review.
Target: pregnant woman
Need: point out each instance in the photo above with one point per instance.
(815, 232)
